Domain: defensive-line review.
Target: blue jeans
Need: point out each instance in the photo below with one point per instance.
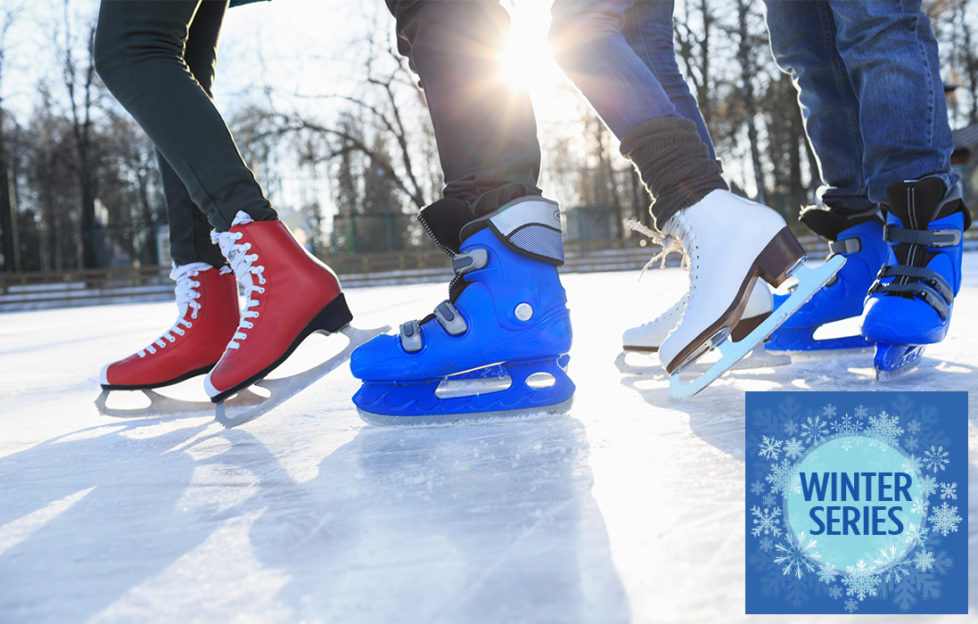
(870, 90)
(620, 55)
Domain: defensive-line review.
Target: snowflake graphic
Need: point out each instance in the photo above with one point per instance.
(793, 448)
(795, 557)
(850, 605)
(928, 485)
(890, 561)
(860, 581)
(949, 491)
(770, 448)
(756, 487)
(945, 519)
(791, 427)
(766, 544)
(813, 430)
(766, 521)
(919, 507)
(835, 592)
(827, 574)
(780, 477)
(935, 459)
(910, 443)
(848, 425)
(924, 560)
(913, 427)
(915, 535)
(885, 428)
(862, 412)
(769, 500)
(912, 464)
(829, 411)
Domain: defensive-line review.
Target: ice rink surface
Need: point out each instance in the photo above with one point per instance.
(630, 508)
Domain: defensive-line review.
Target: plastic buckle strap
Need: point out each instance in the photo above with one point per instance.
(922, 274)
(411, 336)
(450, 318)
(924, 291)
(846, 246)
(470, 261)
(928, 238)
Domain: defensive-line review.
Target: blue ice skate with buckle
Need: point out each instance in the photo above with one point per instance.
(910, 304)
(498, 345)
(857, 238)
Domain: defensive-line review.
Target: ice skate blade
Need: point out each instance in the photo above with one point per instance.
(280, 390)
(809, 281)
(757, 358)
(894, 361)
(529, 386)
(472, 418)
(162, 406)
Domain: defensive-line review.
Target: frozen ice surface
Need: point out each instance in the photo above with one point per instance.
(628, 509)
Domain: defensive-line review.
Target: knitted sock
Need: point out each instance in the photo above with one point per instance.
(674, 164)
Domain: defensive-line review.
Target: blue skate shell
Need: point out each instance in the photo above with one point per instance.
(398, 382)
(840, 300)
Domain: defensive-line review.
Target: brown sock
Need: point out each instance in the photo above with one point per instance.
(674, 164)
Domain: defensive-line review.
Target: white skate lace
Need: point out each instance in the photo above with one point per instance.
(668, 245)
(186, 295)
(245, 270)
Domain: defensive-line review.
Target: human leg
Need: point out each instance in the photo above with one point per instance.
(140, 54)
(803, 41)
(506, 317)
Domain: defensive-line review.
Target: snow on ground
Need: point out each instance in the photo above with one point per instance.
(629, 508)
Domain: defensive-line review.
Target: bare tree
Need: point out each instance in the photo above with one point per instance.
(8, 216)
(79, 81)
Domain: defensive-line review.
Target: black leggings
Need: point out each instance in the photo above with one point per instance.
(157, 59)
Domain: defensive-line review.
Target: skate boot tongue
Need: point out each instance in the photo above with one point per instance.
(917, 203)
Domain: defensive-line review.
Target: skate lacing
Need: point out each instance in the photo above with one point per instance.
(668, 245)
(186, 296)
(245, 270)
(678, 230)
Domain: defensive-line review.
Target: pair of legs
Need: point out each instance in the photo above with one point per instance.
(870, 91)
(620, 55)
(506, 315)
(157, 59)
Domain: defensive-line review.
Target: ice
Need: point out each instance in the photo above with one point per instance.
(629, 509)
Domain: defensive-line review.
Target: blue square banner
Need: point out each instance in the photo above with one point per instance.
(856, 502)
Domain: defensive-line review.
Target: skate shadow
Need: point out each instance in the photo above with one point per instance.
(79, 521)
(487, 522)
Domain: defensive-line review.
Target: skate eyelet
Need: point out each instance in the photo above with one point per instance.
(524, 312)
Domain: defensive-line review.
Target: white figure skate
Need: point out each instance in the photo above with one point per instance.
(731, 242)
(639, 343)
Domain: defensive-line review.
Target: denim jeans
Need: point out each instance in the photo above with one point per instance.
(486, 133)
(870, 90)
(141, 49)
(620, 54)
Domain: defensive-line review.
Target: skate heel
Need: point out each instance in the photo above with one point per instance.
(332, 318)
(780, 258)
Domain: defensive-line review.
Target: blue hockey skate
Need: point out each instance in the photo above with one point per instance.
(859, 239)
(910, 303)
(497, 346)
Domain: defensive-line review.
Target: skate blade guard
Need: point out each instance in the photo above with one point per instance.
(232, 412)
(809, 281)
(505, 390)
(892, 361)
